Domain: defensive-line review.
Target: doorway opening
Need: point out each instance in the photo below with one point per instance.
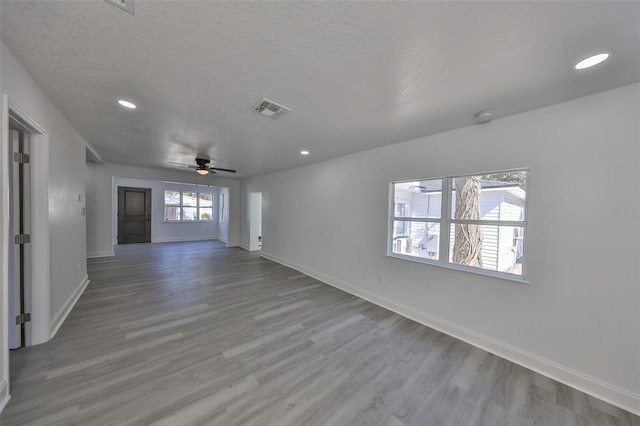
(134, 215)
(36, 292)
(255, 221)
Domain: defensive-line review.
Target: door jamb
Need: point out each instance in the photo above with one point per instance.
(255, 221)
(40, 250)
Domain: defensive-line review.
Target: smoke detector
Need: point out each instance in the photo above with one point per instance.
(270, 109)
(484, 117)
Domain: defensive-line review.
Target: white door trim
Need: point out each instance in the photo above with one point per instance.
(255, 221)
(40, 274)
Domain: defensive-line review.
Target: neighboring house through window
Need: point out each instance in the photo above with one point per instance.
(477, 221)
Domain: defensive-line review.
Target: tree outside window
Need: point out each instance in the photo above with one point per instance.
(477, 221)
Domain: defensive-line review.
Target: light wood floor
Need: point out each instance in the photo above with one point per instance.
(196, 333)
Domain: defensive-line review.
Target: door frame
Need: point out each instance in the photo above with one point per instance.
(255, 221)
(20, 282)
(40, 250)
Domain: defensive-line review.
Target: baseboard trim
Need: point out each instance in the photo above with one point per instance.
(64, 311)
(100, 254)
(245, 247)
(182, 239)
(4, 394)
(607, 392)
(226, 243)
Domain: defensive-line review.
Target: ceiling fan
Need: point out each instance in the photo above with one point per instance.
(202, 167)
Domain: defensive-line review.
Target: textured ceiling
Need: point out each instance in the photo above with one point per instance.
(356, 75)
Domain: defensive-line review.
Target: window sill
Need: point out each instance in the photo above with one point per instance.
(483, 272)
(188, 221)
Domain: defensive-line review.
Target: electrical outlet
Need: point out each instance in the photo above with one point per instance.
(78, 266)
(380, 277)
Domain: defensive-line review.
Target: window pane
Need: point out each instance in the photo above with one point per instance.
(401, 209)
(498, 196)
(172, 213)
(206, 213)
(189, 198)
(172, 198)
(206, 200)
(419, 239)
(418, 199)
(496, 248)
(189, 213)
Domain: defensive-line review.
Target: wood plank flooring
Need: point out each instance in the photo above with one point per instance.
(199, 334)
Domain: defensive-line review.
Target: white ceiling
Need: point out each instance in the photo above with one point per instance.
(356, 75)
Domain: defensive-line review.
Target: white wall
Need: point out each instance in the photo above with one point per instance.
(255, 220)
(66, 183)
(4, 266)
(162, 231)
(101, 222)
(95, 213)
(223, 215)
(578, 320)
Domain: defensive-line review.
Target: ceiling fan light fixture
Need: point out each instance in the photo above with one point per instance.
(202, 171)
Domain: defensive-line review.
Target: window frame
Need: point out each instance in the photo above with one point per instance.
(182, 206)
(222, 207)
(445, 222)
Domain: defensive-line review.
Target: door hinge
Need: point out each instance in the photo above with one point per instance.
(23, 318)
(22, 239)
(21, 157)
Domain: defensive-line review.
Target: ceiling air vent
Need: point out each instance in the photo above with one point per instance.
(270, 109)
(123, 4)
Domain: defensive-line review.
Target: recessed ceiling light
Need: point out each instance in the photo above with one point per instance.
(304, 152)
(592, 61)
(126, 104)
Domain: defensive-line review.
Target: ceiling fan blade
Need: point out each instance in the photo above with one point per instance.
(222, 170)
(196, 167)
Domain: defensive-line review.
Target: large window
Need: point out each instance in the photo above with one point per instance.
(475, 223)
(188, 206)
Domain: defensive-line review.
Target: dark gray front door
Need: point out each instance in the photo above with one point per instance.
(134, 215)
